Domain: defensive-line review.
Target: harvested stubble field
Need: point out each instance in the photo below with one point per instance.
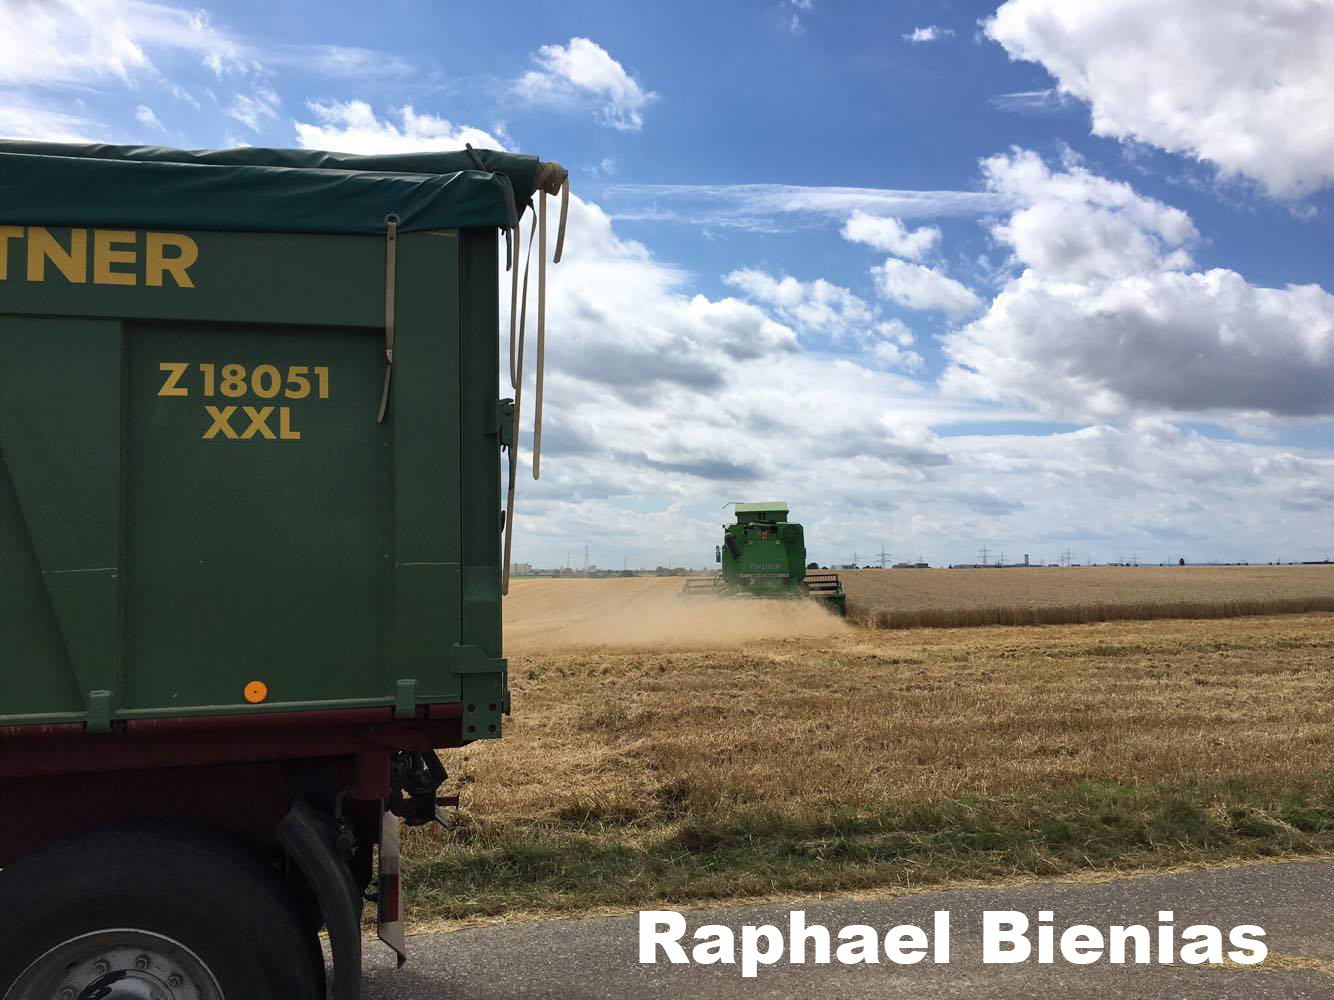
(948, 598)
(732, 750)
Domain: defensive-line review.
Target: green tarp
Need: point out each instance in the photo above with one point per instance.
(259, 190)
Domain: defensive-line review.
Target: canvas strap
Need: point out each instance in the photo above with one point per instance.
(390, 274)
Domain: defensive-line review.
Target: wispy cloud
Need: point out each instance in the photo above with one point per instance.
(181, 94)
(930, 33)
(64, 47)
(148, 118)
(60, 43)
(774, 207)
(340, 61)
(20, 119)
(251, 110)
(1033, 102)
(794, 23)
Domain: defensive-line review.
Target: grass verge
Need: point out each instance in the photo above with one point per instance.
(595, 861)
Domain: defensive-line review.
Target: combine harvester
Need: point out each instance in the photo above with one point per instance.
(763, 555)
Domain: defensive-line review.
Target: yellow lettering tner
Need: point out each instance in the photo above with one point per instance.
(111, 257)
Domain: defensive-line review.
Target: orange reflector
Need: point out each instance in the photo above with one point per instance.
(256, 691)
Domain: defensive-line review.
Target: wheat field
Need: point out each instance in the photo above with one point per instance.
(947, 598)
(728, 750)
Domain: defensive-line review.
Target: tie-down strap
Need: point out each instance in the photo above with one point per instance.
(390, 274)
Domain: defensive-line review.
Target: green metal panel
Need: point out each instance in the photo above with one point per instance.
(427, 566)
(39, 680)
(770, 557)
(271, 545)
(195, 493)
(299, 279)
(60, 425)
(479, 433)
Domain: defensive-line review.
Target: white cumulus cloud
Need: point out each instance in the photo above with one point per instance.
(825, 314)
(814, 308)
(1108, 315)
(1246, 85)
(1074, 224)
(890, 347)
(353, 127)
(583, 71)
(884, 232)
(923, 288)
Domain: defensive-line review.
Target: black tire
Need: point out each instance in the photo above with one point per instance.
(217, 900)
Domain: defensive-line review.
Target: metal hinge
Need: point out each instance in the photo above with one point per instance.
(505, 422)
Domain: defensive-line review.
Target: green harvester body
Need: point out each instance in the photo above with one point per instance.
(763, 555)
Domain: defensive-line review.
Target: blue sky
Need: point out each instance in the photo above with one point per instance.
(1033, 276)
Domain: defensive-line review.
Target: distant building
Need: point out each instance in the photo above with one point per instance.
(521, 569)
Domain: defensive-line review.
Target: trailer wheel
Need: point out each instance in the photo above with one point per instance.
(131, 914)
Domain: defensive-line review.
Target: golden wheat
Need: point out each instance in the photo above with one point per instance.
(799, 723)
(1053, 596)
(847, 758)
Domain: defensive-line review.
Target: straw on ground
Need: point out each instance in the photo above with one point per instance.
(866, 759)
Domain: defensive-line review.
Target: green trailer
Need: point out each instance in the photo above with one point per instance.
(763, 555)
(251, 567)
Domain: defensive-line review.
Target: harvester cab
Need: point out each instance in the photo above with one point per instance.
(763, 555)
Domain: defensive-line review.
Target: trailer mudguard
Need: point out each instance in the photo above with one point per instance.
(308, 837)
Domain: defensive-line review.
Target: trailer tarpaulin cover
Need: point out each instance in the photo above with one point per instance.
(260, 190)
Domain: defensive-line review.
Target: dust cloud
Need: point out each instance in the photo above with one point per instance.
(649, 611)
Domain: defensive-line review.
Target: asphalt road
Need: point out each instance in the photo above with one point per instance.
(598, 957)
